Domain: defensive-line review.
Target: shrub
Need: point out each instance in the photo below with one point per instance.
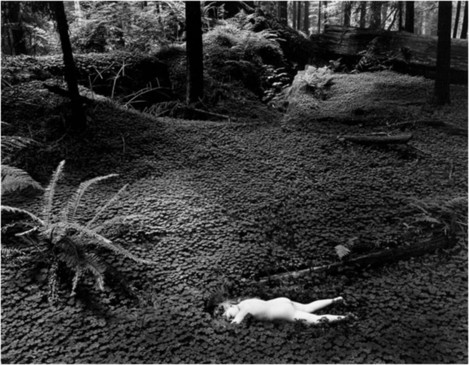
(60, 240)
(15, 180)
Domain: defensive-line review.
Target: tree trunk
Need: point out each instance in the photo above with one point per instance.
(347, 13)
(283, 12)
(443, 58)
(306, 18)
(325, 13)
(362, 14)
(384, 13)
(16, 27)
(464, 23)
(399, 5)
(78, 120)
(409, 16)
(194, 51)
(298, 14)
(294, 15)
(319, 16)
(456, 20)
(375, 20)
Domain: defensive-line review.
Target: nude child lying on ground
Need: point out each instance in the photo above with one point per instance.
(281, 309)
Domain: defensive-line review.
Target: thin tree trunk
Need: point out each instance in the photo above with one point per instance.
(409, 16)
(375, 20)
(456, 20)
(464, 23)
(78, 120)
(306, 18)
(298, 14)
(194, 50)
(363, 14)
(283, 12)
(347, 13)
(384, 13)
(16, 27)
(396, 13)
(319, 16)
(294, 15)
(443, 58)
(325, 13)
(399, 5)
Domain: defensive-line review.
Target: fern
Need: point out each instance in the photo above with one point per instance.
(70, 211)
(448, 215)
(35, 218)
(15, 180)
(11, 144)
(50, 192)
(106, 206)
(93, 265)
(66, 241)
(342, 251)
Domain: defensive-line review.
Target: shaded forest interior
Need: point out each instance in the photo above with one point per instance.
(159, 157)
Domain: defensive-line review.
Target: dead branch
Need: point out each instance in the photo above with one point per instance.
(377, 139)
(373, 259)
(209, 114)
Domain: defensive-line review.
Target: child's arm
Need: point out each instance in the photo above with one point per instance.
(239, 317)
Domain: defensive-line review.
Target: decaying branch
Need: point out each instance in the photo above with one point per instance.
(377, 139)
(372, 259)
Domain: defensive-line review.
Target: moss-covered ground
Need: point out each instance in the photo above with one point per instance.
(222, 203)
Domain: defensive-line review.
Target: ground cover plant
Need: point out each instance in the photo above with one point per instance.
(224, 203)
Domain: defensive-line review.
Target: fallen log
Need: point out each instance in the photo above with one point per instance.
(449, 127)
(412, 53)
(377, 139)
(373, 259)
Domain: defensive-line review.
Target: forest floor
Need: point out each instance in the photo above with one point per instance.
(222, 203)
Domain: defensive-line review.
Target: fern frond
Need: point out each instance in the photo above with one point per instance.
(96, 268)
(427, 219)
(342, 251)
(68, 215)
(52, 282)
(15, 179)
(98, 240)
(8, 253)
(76, 277)
(106, 206)
(11, 144)
(460, 201)
(116, 221)
(50, 191)
(6, 208)
(70, 254)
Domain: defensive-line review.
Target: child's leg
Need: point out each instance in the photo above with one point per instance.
(314, 306)
(314, 319)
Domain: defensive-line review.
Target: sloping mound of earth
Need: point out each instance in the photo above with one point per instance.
(221, 204)
(379, 97)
